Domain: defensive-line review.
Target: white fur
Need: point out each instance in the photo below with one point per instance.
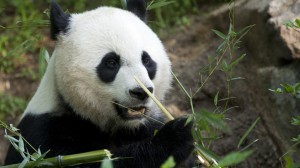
(72, 69)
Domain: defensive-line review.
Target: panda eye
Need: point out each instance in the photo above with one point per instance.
(109, 67)
(146, 60)
(149, 64)
(112, 63)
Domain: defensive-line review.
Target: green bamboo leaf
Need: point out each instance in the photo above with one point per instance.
(159, 4)
(169, 163)
(289, 162)
(13, 128)
(278, 90)
(23, 163)
(237, 60)
(227, 98)
(215, 120)
(236, 78)
(190, 118)
(11, 138)
(234, 158)
(247, 133)
(297, 21)
(207, 153)
(225, 66)
(216, 99)
(245, 29)
(21, 144)
(288, 23)
(288, 88)
(221, 47)
(42, 63)
(295, 120)
(220, 34)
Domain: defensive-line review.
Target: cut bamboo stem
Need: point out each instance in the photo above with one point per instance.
(68, 160)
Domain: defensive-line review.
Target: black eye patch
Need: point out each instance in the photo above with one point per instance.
(109, 67)
(149, 64)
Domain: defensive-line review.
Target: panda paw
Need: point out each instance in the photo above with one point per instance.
(176, 139)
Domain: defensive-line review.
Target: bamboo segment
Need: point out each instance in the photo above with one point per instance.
(163, 109)
(69, 160)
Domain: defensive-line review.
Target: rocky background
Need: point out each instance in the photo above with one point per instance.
(272, 58)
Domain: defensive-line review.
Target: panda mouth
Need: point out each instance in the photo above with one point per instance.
(130, 112)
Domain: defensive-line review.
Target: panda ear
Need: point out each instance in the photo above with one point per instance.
(138, 7)
(59, 20)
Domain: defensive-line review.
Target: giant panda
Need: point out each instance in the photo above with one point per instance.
(88, 99)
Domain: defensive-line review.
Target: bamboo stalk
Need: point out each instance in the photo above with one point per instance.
(69, 160)
(163, 109)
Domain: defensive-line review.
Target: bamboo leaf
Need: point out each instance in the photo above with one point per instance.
(21, 144)
(245, 29)
(247, 132)
(13, 128)
(42, 65)
(216, 99)
(220, 34)
(234, 158)
(207, 153)
(288, 88)
(159, 4)
(215, 120)
(24, 163)
(236, 78)
(11, 138)
(169, 163)
(235, 62)
(297, 21)
(225, 66)
(189, 119)
(288, 23)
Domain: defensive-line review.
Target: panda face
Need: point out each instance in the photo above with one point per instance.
(96, 60)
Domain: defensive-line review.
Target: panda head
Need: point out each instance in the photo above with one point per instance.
(97, 55)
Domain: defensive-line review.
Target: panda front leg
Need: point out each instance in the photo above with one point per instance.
(173, 139)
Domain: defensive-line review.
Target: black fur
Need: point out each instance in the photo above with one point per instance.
(149, 64)
(59, 20)
(138, 7)
(109, 67)
(69, 133)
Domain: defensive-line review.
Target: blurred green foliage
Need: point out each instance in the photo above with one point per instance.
(24, 23)
(10, 104)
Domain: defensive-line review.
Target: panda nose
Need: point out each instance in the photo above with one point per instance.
(139, 93)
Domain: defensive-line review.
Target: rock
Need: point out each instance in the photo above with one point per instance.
(280, 12)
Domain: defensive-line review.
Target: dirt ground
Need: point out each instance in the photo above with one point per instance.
(188, 49)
